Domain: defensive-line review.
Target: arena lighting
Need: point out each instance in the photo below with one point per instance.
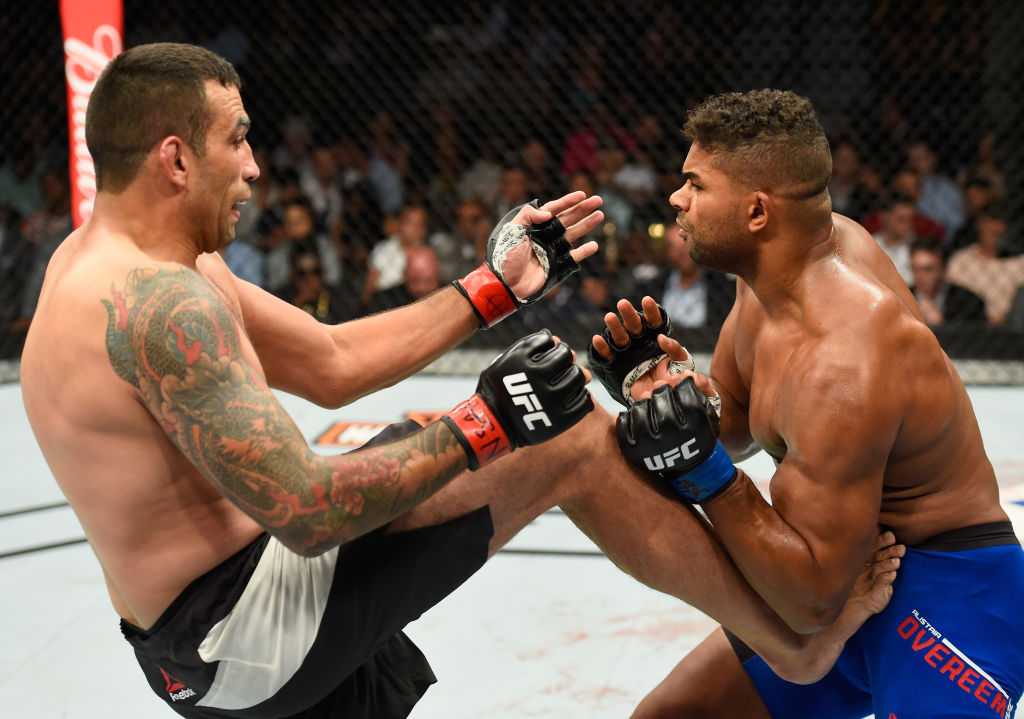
(656, 230)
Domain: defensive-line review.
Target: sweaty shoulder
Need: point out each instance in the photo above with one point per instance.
(867, 349)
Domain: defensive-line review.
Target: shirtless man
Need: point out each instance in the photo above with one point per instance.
(253, 577)
(826, 364)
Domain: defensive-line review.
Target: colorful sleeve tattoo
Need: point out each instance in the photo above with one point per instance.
(172, 337)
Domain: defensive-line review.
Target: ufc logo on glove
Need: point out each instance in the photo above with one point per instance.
(668, 459)
(522, 394)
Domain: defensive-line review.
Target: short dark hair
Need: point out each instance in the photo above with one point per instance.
(932, 244)
(994, 211)
(145, 94)
(769, 139)
(896, 197)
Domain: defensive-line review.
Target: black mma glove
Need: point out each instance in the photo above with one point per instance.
(485, 288)
(631, 362)
(674, 434)
(532, 392)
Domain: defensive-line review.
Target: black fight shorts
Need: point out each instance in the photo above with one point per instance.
(270, 634)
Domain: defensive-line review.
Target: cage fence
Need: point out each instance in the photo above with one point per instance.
(380, 127)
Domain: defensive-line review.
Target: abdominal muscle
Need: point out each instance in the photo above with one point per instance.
(151, 554)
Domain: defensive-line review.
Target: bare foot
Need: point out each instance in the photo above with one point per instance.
(870, 595)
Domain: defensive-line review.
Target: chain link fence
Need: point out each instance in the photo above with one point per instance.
(423, 122)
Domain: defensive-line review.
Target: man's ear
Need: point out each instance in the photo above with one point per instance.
(174, 160)
(759, 209)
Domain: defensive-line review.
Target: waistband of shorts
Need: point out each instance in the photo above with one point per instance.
(976, 536)
(237, 565)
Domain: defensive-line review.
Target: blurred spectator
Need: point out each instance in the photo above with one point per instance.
(611, 160)
(294, 151)
(321, 185)
(44, 230)
(246, 260)
(513, 191)
(906, 183)
(15, 262)
(984, 164)
(588, 81)
(299, 230)
(940, 198)
(940, 301)
(979, 194)
(636, 177)
(595, 285)
(980, 268)
(386, 264)
(565, 310)
(851, 196)
(442, 166)
(361, 218)
(483, 178)
(421, 277)
(542, 179)
(462, 249)
(20, 181)
(694, 296)
(598, 128)
(897, 233)
(308, 289)
(642, 265)
(387, 164)
(282, 188)
(888, 138)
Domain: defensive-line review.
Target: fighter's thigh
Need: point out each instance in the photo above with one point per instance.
(708, 682)
(519, 487)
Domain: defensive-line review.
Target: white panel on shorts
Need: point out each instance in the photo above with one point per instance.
(261, 643)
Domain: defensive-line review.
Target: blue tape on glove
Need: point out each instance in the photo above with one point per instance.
(708, 479)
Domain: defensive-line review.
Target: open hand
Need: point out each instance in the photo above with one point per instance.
(579, 214)
(628, 323)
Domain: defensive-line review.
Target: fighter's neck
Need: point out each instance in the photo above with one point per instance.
(156, 229)
(785, 272)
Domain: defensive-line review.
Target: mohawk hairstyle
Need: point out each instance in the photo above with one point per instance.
(769, 139)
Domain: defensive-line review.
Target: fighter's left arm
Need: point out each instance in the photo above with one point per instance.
(838, 417)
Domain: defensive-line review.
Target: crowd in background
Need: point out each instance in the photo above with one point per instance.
(379, 187)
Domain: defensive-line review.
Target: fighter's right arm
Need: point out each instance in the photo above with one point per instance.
(172, 337)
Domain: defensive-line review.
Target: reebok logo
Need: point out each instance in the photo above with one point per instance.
(667, 460)
(176, 688)
(522, 394)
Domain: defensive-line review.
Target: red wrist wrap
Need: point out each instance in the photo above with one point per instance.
(488, 294)
(485, 438)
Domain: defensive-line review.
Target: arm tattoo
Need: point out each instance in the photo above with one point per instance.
(171, 336)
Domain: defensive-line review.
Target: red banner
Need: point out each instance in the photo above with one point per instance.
(93, 36)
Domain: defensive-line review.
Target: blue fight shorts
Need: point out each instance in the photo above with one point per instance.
(950, 643)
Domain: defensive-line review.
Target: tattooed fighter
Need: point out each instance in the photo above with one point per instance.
(253, 577)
